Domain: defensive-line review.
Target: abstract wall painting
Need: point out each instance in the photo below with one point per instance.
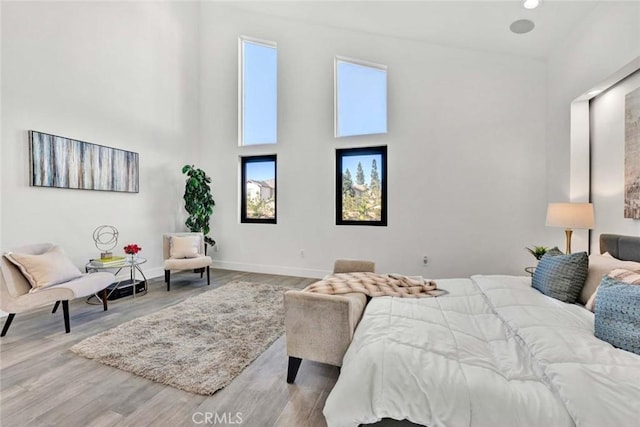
(632, 155)
(69, 163)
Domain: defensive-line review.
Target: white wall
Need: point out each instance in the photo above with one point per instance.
(601, 45)
(607, 113)
(123, 75)
(466, 153)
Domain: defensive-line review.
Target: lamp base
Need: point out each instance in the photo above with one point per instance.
(568, 232)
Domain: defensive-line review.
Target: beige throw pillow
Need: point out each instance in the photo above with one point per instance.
(47, 269)
(621, 275)
(185, 247)
(599, 265)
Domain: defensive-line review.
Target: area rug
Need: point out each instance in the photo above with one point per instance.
(199, 345)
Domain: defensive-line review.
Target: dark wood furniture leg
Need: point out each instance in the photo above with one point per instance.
(105, 295)
(55, 307)
(65, 311)
(167, 278)
(292, 371)
(208, 276)
(7, 323)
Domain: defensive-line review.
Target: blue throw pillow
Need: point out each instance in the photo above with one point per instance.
(561, 276)
(617, 314)
(554, 251)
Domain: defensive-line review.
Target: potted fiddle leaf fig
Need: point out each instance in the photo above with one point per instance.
(198, 201)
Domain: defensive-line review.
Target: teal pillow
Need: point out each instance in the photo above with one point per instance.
(561, 276)
(617, 314)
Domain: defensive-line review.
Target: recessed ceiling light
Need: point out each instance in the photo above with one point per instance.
(531, 4)
(522, 26)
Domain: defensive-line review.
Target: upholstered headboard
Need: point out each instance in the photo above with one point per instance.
(622, 247)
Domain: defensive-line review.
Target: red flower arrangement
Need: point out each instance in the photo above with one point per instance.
(132, 249)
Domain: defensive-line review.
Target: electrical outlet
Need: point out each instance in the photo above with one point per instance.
(425, 260)
(301, 253)
(216, 247)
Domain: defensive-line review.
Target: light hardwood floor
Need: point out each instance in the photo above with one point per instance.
(43, 384)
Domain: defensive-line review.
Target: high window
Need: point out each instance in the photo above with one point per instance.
(258, 189)
(258, 92)
(361, 186)
(360, 97)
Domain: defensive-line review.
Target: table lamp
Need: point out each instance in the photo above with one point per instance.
(570, 216)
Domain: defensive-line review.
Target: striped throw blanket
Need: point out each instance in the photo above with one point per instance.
(377, 285)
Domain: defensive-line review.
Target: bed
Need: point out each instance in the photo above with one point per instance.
(494, 352)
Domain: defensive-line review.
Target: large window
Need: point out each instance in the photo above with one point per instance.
(258, 189)
(360, 97)
(361, 186)
(258, 92)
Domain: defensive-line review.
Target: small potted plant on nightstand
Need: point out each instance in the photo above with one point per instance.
(538, 252)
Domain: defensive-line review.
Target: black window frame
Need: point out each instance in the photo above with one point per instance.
(244, 160)
(362, 151)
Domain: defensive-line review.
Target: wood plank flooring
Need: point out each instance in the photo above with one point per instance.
(43, 384)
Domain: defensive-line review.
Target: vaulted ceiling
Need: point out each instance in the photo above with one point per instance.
(478, 24)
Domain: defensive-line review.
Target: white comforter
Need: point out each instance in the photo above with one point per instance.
(494, 352)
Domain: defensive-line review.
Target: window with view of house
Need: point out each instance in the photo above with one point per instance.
(258, 189)
(361, 186)
(360, 97)
(258, 92)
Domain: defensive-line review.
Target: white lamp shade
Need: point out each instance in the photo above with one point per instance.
(570, 215)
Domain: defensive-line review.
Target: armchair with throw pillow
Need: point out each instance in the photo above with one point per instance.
(37, 275)
(184, 251)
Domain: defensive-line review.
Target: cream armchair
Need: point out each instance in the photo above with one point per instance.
(196, 261)
(16, 298)
(320, 327)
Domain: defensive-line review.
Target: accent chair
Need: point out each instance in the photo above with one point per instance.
(15, 295)
(189, 256)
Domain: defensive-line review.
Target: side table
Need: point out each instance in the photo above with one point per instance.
(132, 265)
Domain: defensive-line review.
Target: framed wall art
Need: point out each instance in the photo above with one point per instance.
(61, 162)
(632, 155)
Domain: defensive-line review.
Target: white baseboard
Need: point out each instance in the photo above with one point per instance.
(271, 269)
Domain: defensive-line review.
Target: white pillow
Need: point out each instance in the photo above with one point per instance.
(185, 247)
(47, 269)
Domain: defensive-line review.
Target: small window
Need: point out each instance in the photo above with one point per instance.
(360, 98)
(361, 186)
(258, 92)
(258, 189)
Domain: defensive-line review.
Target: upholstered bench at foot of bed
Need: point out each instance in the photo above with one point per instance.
(319, 327)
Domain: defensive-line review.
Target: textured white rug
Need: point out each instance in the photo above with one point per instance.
(199, 345)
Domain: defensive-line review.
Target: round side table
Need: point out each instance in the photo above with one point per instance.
(132, 265)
